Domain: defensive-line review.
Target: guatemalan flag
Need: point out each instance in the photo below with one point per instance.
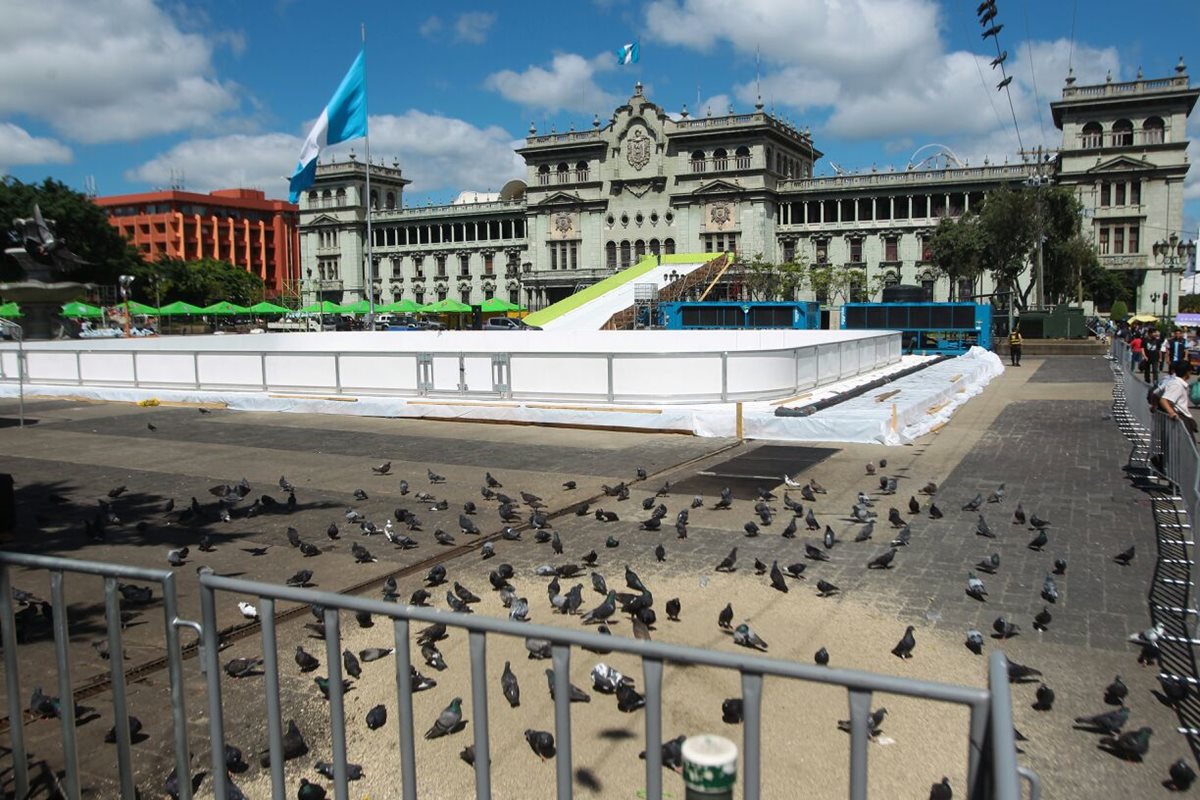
(628, 54)
(344, 118)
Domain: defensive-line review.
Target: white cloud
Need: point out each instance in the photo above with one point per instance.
(431, 27)
(568, 84)
(436, 152)
(473, 26)
(109, 70)
(18, 147)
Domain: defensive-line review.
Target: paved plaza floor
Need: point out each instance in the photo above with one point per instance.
(1042, 430)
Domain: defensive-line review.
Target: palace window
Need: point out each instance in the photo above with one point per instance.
(789, 251)
(441, 268)
(514, 296)
(1105, 194)
(858, 287)
(668, 246)
(464, 266)
(927, 284)
(625, 254)
(581, 171)
(743, 157)
(698, 161)
(821, 251)
(396, 267)
(487, 263)
(720, 242)
(926, 249)
(891, 249)
(564, 255)
(966, 289)
(441, 294)
(1132, 241)
(1135, 193)
(544, 174)
(856, 251)
(720, 159)
(639, 250)
(419, 298)
(1118, 244)
(465, 294)
(564, 173)
(655, 247)
(1103, 247)
(1119, 187)
(1122, 133)
(1153, 131)
(1092, 136)
(610, 255)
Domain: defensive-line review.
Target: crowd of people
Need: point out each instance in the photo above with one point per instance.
(1155, 355)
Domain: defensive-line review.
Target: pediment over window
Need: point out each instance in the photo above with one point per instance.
(718, 187)
(1122, 164)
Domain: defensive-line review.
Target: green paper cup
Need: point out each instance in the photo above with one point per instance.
(709, 766)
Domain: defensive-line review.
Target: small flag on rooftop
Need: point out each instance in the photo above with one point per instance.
(344, 118)
(628, 54)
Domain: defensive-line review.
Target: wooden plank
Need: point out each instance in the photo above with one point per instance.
(937, 408)
(314, 397)
(879, 398)
(791, 399)
(602, 409)
(464, 403)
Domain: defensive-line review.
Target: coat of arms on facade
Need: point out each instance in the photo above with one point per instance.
(562, 222)
(637, 149)
(721, 213)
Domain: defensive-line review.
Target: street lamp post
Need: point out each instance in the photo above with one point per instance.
(1170, 252)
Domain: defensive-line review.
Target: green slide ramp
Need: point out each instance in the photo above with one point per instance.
(605, 286)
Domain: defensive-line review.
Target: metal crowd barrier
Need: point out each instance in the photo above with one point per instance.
(992, 765)
(112, 573)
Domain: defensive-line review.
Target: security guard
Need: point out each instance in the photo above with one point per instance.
(1014, 346)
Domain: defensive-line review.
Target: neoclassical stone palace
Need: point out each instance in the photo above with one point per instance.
(595, 201)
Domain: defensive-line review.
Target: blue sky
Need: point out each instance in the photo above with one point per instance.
(214, 93)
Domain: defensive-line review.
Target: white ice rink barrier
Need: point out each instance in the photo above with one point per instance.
(665, 367)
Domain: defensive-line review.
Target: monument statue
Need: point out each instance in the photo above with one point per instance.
(44, 258)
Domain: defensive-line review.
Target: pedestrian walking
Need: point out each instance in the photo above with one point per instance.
(1152, 354)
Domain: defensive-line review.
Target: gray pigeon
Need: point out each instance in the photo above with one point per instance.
(510, 687)
(983, 529)
(974, 503)
(602, 612)
(1050, 589)
(1110, 722)
(576, 694)
(541, 743)
(975, 587)
(744, 636)
(904, 647)
(975, 641)
(447, 721)
(377, 717)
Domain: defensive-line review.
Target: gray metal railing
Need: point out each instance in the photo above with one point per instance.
(111, 573)
(992, 767)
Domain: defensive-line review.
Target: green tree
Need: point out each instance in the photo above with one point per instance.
(200, 283)
(1009, 231)
(957, 249)
(1118, 311)
(767, 282)
(830, 282)
(80, 222)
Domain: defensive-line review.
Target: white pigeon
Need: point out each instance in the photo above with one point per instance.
(787, 479)
(1148, 636)
(248, 610)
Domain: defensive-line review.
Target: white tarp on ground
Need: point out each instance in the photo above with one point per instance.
(922, 401)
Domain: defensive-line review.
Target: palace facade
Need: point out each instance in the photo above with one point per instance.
(595, 201)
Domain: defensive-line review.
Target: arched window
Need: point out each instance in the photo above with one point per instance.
(669, 247)
(374, 199)
(581, 171)
(326, 198)
(564, 173)
(1153, 131)
(743, 157)
(639, 250)
(720, 159)
(544, 174)
(698, 161)
(1092, 136)
(610, 255)
(391, 200)
(624, 254)
(313, 199)
(654, 247)
(1122, 133)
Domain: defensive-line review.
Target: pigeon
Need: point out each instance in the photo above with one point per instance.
(725, 618)
(902, 538)
(569, 485)
(436, 576)
(789, 532)
(1050, 590)
(990, 564)
(914, 505)
(904, 647)
(806, 492)
(305, 660)
(777, 581)
(602, 612)
(751, 529)
(672, 753)
(359, 494)
(814, 553)
(935, 512)
(1038, 523)
(1182, 776)
(930, 488)
(997, 494)
(983, 529)
(1004, 628)
(825, 588)
(870, 468)
(1060, 566)
(354, 772)
(447, 721)
(442, 537)
(974, 503)
(135, 727)
(510, 687)
(1132, 745)
(1110, 722)
(177, 557)
(1039, 541)
(728, 565)
(248, 610)
(1173, 688)
(294, 745)
(1020, 673)
(243, 667)
(434, 477)
(816, 487)
(350, 664)
(732, 710)
(1041, 621)
(375, 653)
(1123, 558)
(726, 500)
(1045, 698)
(418, 598)
(660, 553)
(301, 578)
(810, 521)
(673, 608)
(377, 717)
(975, 588)
(538, 648)
(574, 693)
(894, 517)
(382, 469)
(541, 743)
(865, 532)
(309, 550)
(941, 790)
(1019, 515)
(829, 539)
(519, 610)
(975, 642)
(796, 570)
(744, 636)
(883, 560)
(1116, 692)
(628, 698)
(313, 791)
(874, 723)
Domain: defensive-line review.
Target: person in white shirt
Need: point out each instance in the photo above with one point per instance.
(1174, 401)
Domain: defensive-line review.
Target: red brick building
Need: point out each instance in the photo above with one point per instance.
(240, 226)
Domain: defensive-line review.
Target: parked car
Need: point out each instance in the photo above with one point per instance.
(508, 324)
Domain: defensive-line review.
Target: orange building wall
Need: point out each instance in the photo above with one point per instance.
(240, 226)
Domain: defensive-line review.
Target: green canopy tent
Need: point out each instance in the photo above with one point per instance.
(497, 305)
(139, 309)
(399, 307)
(266, 307)
(360, 307)
(179, 308)
(447, 306)
(78, 309)
(225, 309)
(10, 311)
(323, 307)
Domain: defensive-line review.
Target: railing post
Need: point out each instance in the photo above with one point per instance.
(562, 720)
(211, 656)
(1004, 749)
(58, 605)
(652, 671)
(408, 757)
(12, 686)
(116, 661)
(479, 707)
(860, 712)
(752, 734)
(175, 676)
(270, 651)
(337, 710)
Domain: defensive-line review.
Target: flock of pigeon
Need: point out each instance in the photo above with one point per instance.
(526, 515)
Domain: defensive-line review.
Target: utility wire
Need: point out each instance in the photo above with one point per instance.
(1033, 73)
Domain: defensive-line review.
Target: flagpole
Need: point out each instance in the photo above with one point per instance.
(370, 257)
